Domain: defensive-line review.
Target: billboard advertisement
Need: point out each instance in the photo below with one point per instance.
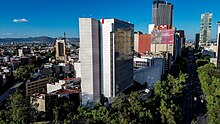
(168, 36)
(156, 36)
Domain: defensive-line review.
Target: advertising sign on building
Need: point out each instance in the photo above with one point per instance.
(167, 36)
(156, 36)
(164, 27)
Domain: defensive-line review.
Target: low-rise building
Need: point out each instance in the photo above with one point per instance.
(36, 86)
(152, 70)
(63, 84)
(42, 102)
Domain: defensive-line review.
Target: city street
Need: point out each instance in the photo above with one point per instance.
(9, 92)
(194, 103)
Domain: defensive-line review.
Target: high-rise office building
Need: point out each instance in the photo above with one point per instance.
(61, 50)
(162, 13)
(205, 28)
(197, 36)
(90, 60)
(106, 52)
(218, 45)
(117, 56)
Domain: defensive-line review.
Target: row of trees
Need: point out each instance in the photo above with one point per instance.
(18, 110)
(210, 81)
(168, 94)
(161, 107)
(203, 60)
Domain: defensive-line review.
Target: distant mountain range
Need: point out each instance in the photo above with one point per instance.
(193, 40)
(43, 39)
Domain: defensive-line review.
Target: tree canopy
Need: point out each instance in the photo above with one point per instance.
(22, 73)
(210, 82)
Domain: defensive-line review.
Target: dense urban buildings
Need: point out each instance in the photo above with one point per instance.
(162, 13)
(205, 28)
(113, 74)
(90, 57)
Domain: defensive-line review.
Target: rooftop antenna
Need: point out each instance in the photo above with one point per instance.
(64, 35)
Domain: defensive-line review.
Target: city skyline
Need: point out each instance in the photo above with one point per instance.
(44, 18)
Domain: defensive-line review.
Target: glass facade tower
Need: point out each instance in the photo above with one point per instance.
(117, 52)
(205, 28)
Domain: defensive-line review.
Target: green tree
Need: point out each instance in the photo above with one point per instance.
(23, 72)
(19, 109)
(201, 62)
(135, 103)
(53, 79)
(166, 93)
(208, 76)
(3, 118)
(207, 58)
(100, 114)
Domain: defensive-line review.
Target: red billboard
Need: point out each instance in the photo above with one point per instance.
(167, 36)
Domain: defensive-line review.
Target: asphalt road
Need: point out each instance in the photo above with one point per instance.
(9, 92)
(194, 103)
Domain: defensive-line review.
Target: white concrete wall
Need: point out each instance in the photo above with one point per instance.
(214, 61)
(150, 28)
(162, 48)
(54, 87)
(77, 68)
(107, 27)
(136, 42)
(89, 57)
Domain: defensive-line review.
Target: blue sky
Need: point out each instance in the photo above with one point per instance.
(24, 18)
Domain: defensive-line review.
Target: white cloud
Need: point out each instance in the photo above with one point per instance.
(20, 20)
(8, 34)
(13, 35)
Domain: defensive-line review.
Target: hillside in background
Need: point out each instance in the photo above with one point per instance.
(43, 39)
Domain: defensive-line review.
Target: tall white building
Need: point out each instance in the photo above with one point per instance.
(117, 56)
(90, 60)
(106, 53)
(218, 45)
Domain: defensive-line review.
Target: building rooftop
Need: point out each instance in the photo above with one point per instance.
(67, 91)
(161, 1)
(58, 92)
